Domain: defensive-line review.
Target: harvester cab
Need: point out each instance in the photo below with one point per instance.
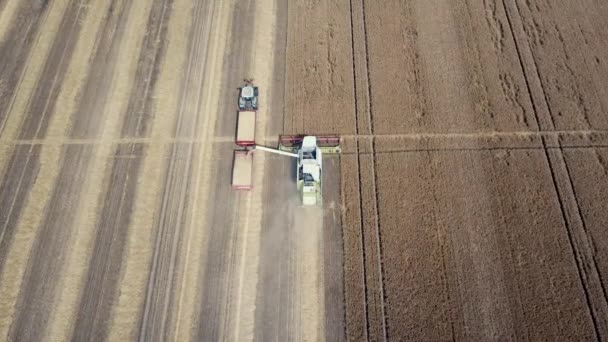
(248, 96)
(309, 171)
(310, 151)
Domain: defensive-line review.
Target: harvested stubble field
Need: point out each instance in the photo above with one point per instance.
(475, 165)
(117, 218)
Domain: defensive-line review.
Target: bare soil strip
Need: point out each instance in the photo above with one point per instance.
(241, 321)
(275, 309)
(8, 8)
(194, 270)
(227, 234)
(56, 230)
(308, 287)
(275, 320)
(27, 227)
(204, 50)
(37, 61)
(15, 48)
(22, 167)
(98, 292)
(129, 304)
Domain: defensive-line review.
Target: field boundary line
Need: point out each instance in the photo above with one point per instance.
(465, 149)
(230, 139)
(489, 134)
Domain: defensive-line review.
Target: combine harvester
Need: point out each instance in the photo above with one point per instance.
(307, 149)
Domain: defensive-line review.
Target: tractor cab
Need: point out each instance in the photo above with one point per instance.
(248, 97)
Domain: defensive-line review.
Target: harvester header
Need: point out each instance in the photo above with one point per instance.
(327, 143)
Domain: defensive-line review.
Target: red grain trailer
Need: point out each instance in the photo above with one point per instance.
(245, 128)
(242, 170)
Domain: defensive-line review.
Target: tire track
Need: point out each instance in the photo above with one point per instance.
(128, 306)
(48, 255)
(24, 163)
(28, 226)
(584, 260)
(190, 282)
(283, 298)
(441, 237)
(157, 308)
(217, 280)
(15, 48)
(7, 12)
(105, 265)
(589, 243)
(370, 119)
(544, 107)
(521, 65)
(359, 181)
(275, 303)
(2, 5)
(572, 244)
